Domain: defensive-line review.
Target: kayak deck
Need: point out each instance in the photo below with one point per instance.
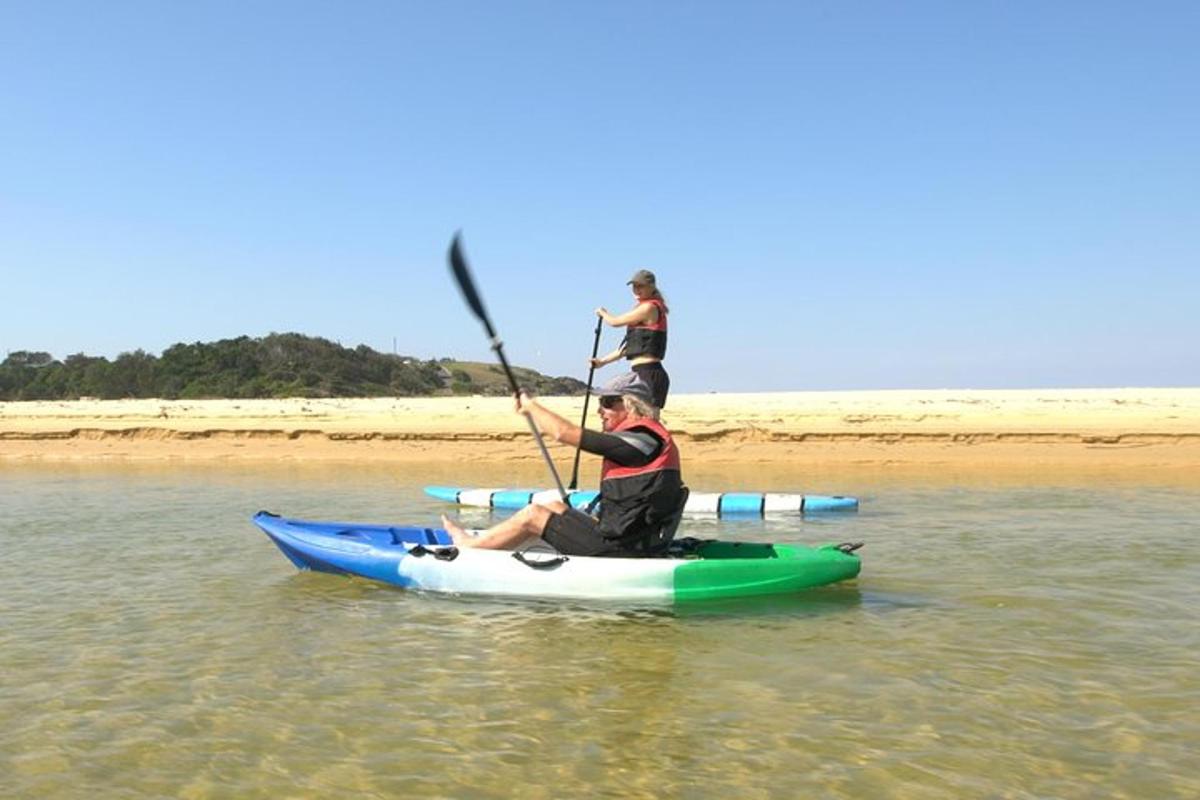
(424, 559)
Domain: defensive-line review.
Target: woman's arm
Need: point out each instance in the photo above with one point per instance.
(610, 357)
(642, 312)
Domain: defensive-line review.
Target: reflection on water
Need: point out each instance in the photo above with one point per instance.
(1015, 640)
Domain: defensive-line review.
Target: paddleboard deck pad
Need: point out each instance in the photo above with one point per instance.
(721, 504)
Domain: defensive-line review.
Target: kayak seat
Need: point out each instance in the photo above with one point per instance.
(658, 543)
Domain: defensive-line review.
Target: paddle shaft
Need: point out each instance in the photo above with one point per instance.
(458, 265)
(587, 395)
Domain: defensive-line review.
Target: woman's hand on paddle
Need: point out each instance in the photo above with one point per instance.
(608, 358)
(603, 314)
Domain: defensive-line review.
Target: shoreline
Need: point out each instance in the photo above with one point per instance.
(1149, 429)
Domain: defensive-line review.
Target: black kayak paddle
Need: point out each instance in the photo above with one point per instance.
(462, 274)
(587, 395)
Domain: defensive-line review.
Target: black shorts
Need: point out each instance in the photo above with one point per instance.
(575, 533)
(655, 375)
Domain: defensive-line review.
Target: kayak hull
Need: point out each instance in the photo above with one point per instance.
(423, 559)
(724, 504)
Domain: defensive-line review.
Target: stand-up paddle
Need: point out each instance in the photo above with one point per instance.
(587, 395)
(458, 265)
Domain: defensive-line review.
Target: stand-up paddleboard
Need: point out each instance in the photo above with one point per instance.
(425, 559)
(722, 504)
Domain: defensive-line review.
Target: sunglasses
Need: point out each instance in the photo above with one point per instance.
(610, 402)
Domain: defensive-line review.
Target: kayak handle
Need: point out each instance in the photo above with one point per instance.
(849, 547)
(540, 563)
(440, 553)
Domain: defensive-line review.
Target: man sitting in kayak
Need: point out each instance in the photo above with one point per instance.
(640, 483)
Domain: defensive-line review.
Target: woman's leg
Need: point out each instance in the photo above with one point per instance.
(664, 386)
(656, 376)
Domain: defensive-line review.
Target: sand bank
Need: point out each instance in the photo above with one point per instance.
(1144, 428)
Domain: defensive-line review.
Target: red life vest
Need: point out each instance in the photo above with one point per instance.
(648, 339)
(635, 502)
(667, 458)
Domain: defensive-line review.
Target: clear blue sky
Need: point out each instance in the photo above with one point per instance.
(834, 195)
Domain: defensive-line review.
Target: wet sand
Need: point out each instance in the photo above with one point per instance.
(1153, 429)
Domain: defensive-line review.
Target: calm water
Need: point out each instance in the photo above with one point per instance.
(1011, 640)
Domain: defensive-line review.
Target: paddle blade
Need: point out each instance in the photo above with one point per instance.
(462, 274)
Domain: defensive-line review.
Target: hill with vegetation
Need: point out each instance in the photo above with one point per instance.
(278, 365)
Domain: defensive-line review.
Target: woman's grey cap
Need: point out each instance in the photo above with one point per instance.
(643, 276)
(631, 384)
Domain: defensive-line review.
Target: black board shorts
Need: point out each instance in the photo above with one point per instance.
(656, 375)
(575, 533)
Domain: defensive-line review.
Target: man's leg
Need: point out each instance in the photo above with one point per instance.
(526, 524)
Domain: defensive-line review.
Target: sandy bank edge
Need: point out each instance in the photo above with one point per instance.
(1143, 428)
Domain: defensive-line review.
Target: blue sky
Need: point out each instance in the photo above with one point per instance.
(834, 195)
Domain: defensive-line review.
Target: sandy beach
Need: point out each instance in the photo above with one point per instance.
(1155, 429)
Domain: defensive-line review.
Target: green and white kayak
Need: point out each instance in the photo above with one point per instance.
(425, 559)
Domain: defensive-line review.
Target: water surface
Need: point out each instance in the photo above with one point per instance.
(1012, 639)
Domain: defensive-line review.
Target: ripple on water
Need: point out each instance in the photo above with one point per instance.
(1017, 641)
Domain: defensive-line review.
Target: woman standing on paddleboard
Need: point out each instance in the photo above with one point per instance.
(645, 343)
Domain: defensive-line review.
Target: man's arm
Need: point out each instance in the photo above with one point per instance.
(556, 427)
(635, 448)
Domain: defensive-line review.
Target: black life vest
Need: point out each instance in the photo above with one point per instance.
(636, 501)
(649, 339)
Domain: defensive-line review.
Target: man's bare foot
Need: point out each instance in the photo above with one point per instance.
(458, 534)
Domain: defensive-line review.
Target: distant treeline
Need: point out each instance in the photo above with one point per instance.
(278, 365)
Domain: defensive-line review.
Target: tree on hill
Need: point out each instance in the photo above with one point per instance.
(277, 365)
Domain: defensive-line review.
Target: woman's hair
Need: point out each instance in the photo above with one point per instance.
(645, 278)
(639, 407)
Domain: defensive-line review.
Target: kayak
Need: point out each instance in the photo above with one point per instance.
(425, 559)
(722, 504)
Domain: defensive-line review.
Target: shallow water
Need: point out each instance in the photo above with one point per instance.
(1004, 640)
